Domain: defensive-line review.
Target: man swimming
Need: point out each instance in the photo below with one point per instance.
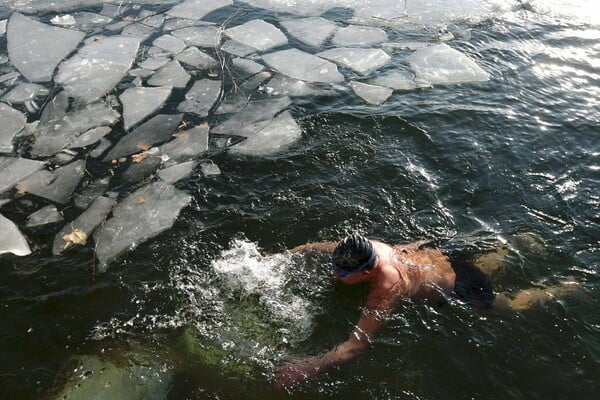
(394, 273)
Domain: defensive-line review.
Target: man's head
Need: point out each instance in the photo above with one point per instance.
(354, 253)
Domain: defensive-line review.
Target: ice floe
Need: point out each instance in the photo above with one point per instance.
(200, 36)
(140, 102)
(13, 170)
(197, 9)
(441, 64)
(196, 58)
(201, 97)
(97, 67)
(253, 112)
(171, 75)
(12, 122)
(257, 34)
(354, 35)
(57, 185)
(169, 43)
(140, 216)
(311, 31)
(44, 216)
(25, 92)
(395, 79)
(372, 94)
(360, 60)
(239, 95)
(305, 66)
(89, 137)
(282, 85)
(176, 172)
(36, 48)
(11, 238)
(157, 129)
(274, 137)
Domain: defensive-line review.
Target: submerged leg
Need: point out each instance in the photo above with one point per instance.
(530, 297)
(492, 260)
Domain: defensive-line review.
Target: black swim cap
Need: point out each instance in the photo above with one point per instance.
(352, 252)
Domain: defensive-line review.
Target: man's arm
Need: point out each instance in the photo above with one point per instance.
(314, 247)
(369, 323)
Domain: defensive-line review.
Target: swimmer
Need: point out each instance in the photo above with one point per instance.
(397, 272)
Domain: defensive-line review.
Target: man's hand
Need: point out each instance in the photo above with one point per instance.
(293, 373)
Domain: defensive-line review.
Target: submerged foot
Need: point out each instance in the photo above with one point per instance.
(525, 299)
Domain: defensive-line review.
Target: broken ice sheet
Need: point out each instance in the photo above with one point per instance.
(198, 59)
(441, 64)
(58, 128)
(44, 216)
(11, 238)
(156, 130)
(355, 35)
(397, 80)
(171, 75)
(282, 85)
(57, 185)
(300, 65)
(187, 145)
(11, 122)
(89, 220)
(153, 63)
(201, 36)
(24, 92)
(36, 48)
(237, 49)
(97, 67)
(169, 43)
(246, 67)
(362, 61)
(176, 172)
(201, 97)
(89, 137)
(140, 102)
(210, 169)
(15, 170)
(257, 34)
(312, 31)
(239, 95)
(197, 9)
(273, 138)
(255, 111)
(88, 193)
(372, 94)
(142, 215)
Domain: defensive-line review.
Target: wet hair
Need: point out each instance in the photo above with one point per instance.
(352, 253)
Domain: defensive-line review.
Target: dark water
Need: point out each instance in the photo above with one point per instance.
(474, 162)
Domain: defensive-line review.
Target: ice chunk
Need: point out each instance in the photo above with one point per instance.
(246, 67)
(172, 75)
(170, 43)
(300, 65)
(197, 59)
(11, 238)
(14, 170)
(100, 148)
(3, 27)
(188, 145)
(11, 122)
(355, 35)
(210, 169)
(36, 48)
(138, 31)
(158, 129)
(57, 128)
(282, 85)
(86, 195)
(56, 186)
(393, 46)
(237, 48)
(372, 94)
(97, 67)
(239, 95)
(312, 31)
(172, 24)
(89, 137)
(44, 216)
(201, 36)
(177, 172)
(397, 80)
(25, 92)
(87, 21)
(360, 60)
(138, 171)
(255, 111)
(197, 9)
(87, 222)
(201, 97)
(257, 34)
(153, 63)
(274, 138)
(139, 102)
(63, 20)
(441, 64)
(142, 215)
